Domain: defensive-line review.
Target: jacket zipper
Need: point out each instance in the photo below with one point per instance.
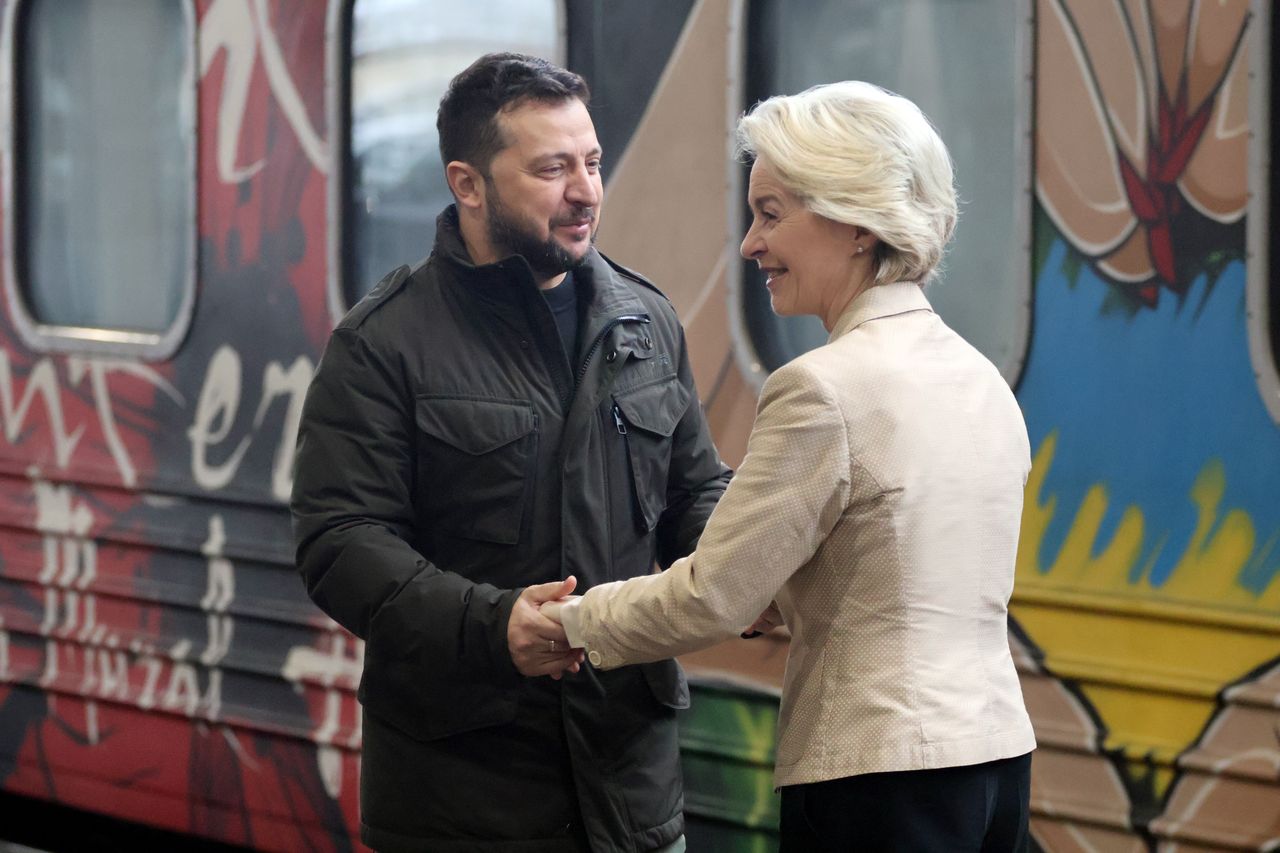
(617, 418)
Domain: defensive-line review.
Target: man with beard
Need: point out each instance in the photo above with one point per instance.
(515, 410)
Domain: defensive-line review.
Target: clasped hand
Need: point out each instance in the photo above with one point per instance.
(535, 638)
(539, 645)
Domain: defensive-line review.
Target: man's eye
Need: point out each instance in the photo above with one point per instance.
(552, 171)
(593, 165)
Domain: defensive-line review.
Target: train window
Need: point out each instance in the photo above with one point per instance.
(401, 55)
(622, 49)
(966, 64)
(101, 219)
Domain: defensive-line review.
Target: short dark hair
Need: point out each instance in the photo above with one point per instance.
(467, 118)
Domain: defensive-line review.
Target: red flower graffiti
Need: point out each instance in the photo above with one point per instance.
(1142, 119)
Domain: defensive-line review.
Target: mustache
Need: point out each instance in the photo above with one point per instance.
(576, 216)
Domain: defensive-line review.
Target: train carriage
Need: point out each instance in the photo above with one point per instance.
(195, 191)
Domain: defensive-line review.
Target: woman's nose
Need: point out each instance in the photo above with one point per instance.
(752, 245)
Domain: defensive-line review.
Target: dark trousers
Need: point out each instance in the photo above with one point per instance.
(981, 807)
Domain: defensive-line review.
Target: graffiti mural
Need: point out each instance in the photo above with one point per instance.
(1147, 575)
(1142, 135)
(158, 657)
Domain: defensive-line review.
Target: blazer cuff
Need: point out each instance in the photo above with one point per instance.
(571, 620)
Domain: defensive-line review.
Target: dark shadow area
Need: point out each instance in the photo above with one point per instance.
(59, 829)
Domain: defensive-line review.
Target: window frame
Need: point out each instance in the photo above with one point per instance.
(745, 351)
(1258, 308)
(43, 337)
(338, 32)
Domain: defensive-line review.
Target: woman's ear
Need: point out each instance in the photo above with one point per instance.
(863, 240)
(466, 183)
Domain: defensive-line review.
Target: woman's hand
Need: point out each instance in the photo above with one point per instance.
(768, 620)
(551, 609)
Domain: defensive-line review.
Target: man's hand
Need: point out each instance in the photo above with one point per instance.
(768, 620)
(537, 644)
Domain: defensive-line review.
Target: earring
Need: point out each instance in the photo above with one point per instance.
(860, 250)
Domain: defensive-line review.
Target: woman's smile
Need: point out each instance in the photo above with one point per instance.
(772, 274)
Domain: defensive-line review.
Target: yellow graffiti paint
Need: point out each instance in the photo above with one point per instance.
(1151, 660)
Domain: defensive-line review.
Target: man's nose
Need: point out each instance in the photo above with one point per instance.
(582, 189)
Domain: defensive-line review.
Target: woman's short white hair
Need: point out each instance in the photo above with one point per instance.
(858, 154)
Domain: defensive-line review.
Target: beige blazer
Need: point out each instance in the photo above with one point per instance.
(879, 504)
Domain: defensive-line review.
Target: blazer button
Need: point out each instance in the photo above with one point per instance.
(594, 657)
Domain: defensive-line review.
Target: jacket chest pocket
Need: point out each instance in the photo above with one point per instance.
(646, 418)
(475, 465)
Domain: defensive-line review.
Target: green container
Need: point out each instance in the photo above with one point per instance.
(727, 741)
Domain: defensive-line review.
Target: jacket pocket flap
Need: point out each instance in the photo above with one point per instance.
(474, 426)
(655, 408)
(638, 344)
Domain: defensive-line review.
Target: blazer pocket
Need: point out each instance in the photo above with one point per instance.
(649, 416)
(475, 465)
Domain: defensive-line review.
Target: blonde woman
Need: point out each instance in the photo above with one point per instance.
(877, 509)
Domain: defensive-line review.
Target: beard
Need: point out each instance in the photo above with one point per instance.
(510, 236)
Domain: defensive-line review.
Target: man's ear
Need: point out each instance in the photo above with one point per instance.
(467, 184)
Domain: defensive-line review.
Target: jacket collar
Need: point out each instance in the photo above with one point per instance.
(881, 300)
(504, 280)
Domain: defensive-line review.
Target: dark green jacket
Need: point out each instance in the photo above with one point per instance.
(449, 455)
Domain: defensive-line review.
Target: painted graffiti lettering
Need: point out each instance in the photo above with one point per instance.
(82, 657)
(172, 683)
(182, 692)
(222, 580)
(343, 663)
(97, 371)
(219, 401)
(293, 383)
(216, 410)
(219, 593)
(71, 614)
(69, 558)
(113, 673)
(243, 30)
(50, 673)
(42, 380)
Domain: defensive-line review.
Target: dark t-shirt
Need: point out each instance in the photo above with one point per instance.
(563, 302)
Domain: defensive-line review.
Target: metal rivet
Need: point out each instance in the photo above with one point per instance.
(613, 354)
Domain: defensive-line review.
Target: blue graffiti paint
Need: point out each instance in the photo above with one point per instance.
(1141, 403)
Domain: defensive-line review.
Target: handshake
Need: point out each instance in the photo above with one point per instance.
(536, 636)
